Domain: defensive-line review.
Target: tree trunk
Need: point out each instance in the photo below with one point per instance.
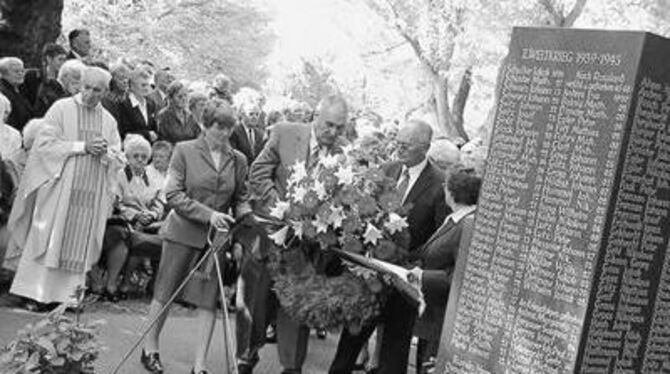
(26, 25)
(458, 107)
(441, 102)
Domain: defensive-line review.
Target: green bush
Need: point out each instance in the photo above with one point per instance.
(58, 344)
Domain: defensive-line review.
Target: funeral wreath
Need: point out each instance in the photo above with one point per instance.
(344, 202)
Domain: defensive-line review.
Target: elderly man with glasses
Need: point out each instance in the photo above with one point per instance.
(420, 184)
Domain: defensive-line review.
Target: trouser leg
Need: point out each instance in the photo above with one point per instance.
(254, 288)
(292, 339)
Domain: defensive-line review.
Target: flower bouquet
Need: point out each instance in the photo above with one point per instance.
(344, 202)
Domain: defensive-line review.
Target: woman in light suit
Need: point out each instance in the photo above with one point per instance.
(205, 182)
(438, 256)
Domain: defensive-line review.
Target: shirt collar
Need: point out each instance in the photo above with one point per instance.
(134, 101)
(313, 143)
(75, 54)
(459, 214)
(415, 170)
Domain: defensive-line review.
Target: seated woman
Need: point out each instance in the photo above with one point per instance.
(161, 152)
(438, 256)
(139, 209)
(16, 161)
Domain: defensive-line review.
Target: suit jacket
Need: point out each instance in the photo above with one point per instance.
(196, 188)
(158, 100)
(172, 129)
(288, 144)
(438, 257)
(47, 94)
(240, 141)
(22, 110)
(426, 202)
(32, 81)
(131, 120)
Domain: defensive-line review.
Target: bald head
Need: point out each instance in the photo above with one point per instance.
(95, 82)
(331, 119)
(413, 141)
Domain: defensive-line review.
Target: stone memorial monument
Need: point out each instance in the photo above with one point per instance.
(569, 270)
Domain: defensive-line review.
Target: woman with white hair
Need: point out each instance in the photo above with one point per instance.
(139, 206)
(10, 138)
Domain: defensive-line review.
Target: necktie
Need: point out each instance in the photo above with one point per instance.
(252, 140)
(314, 157)
(403, 182)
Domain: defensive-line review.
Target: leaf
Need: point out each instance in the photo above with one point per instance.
(47, 345)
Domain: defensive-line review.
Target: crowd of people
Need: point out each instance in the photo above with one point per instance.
(123, 168)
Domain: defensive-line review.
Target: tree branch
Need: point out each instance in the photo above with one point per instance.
(384, 51)
(186, 4)
(458, 106)
(553, 12)
(413, 42)
(576, 11)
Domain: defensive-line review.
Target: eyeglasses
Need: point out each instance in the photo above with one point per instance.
(139, 156)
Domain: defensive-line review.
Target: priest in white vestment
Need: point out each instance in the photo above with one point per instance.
(65, 196)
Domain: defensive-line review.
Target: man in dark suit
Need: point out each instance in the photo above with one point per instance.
(420, 183)
(137, 114)
(80, 44)
(289, 143)
(67, 84)
(53, 57)
(13, 74)
(163, 78)
(248, 136)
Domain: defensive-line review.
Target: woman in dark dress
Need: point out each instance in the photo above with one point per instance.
(175, 122)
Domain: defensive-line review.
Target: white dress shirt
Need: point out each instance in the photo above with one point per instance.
(414, 173)
(141, 104)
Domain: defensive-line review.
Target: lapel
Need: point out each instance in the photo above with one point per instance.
(443, 230)
(421, 184)
(245, 142)
(205, 153)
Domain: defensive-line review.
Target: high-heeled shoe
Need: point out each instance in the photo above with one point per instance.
(152, 362)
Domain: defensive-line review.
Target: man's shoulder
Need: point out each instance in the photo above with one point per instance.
(435, 172)
(186, 145)
(291, 127)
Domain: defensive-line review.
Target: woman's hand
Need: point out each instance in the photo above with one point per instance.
(221, 220)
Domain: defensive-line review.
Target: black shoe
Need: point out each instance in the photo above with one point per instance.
(200, 372)
(321, 334)
(152, 362)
